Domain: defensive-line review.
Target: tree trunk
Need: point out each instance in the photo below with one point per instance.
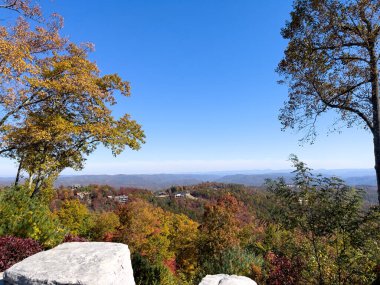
(18, 172)
(37, 185)
(30, 181)
(376, 113)
(36, 189)
(376, 143)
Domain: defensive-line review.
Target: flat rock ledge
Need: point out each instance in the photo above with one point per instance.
(224, 279)
(85, 263)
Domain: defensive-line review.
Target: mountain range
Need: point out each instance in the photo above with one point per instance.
(159, 181)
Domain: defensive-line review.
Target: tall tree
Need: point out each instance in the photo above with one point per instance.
(220, 228)
(332, 63)
(55, 107)
(339, 236)
(60, 131)
(145, 229)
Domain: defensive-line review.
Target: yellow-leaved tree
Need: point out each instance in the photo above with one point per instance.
(55, 106)
(145, 229)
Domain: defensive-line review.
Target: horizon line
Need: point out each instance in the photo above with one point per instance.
(210, 172)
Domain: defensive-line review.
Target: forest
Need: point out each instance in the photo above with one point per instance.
(316, 230)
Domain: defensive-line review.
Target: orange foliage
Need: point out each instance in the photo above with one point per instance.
(145, 229)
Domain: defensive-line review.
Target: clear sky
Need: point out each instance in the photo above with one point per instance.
(203, 86)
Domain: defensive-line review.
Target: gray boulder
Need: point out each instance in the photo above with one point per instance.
(224, 279)
(85, 263)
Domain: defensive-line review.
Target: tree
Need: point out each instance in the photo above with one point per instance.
(75, 218)
(103, 223)
(331, 63)
(341, 238)
(145, 229)
(219, 230)
(55, 107)
(183, 236)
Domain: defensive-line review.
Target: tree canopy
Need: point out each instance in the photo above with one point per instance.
(331, 63)
(55, 106)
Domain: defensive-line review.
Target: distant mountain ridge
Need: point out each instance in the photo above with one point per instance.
(160, 181)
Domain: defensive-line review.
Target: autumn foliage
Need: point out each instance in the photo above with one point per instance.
(56, 108)
(283, 271)
(13, 250)
(168, 247)
(54, 103)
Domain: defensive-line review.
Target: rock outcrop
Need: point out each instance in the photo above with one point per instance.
(85, 263)
(223, 279)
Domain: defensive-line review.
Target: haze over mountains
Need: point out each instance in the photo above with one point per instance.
(249, 178)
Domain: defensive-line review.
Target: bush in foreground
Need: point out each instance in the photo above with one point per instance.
(13, 250)
(26, 217)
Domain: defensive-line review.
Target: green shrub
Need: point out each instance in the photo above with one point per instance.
(153, 274)
(25, 217)
(236, 261)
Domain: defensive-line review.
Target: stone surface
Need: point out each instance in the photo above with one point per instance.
(85, 263)
(223, 279)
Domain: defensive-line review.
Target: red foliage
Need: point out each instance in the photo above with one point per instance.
(71, 238)
(108, 237)
(283, 271)
(13, 250)
(171, 265)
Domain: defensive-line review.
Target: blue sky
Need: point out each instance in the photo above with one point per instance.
(203, 86)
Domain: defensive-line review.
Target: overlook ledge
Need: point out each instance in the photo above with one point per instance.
(85, 263)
